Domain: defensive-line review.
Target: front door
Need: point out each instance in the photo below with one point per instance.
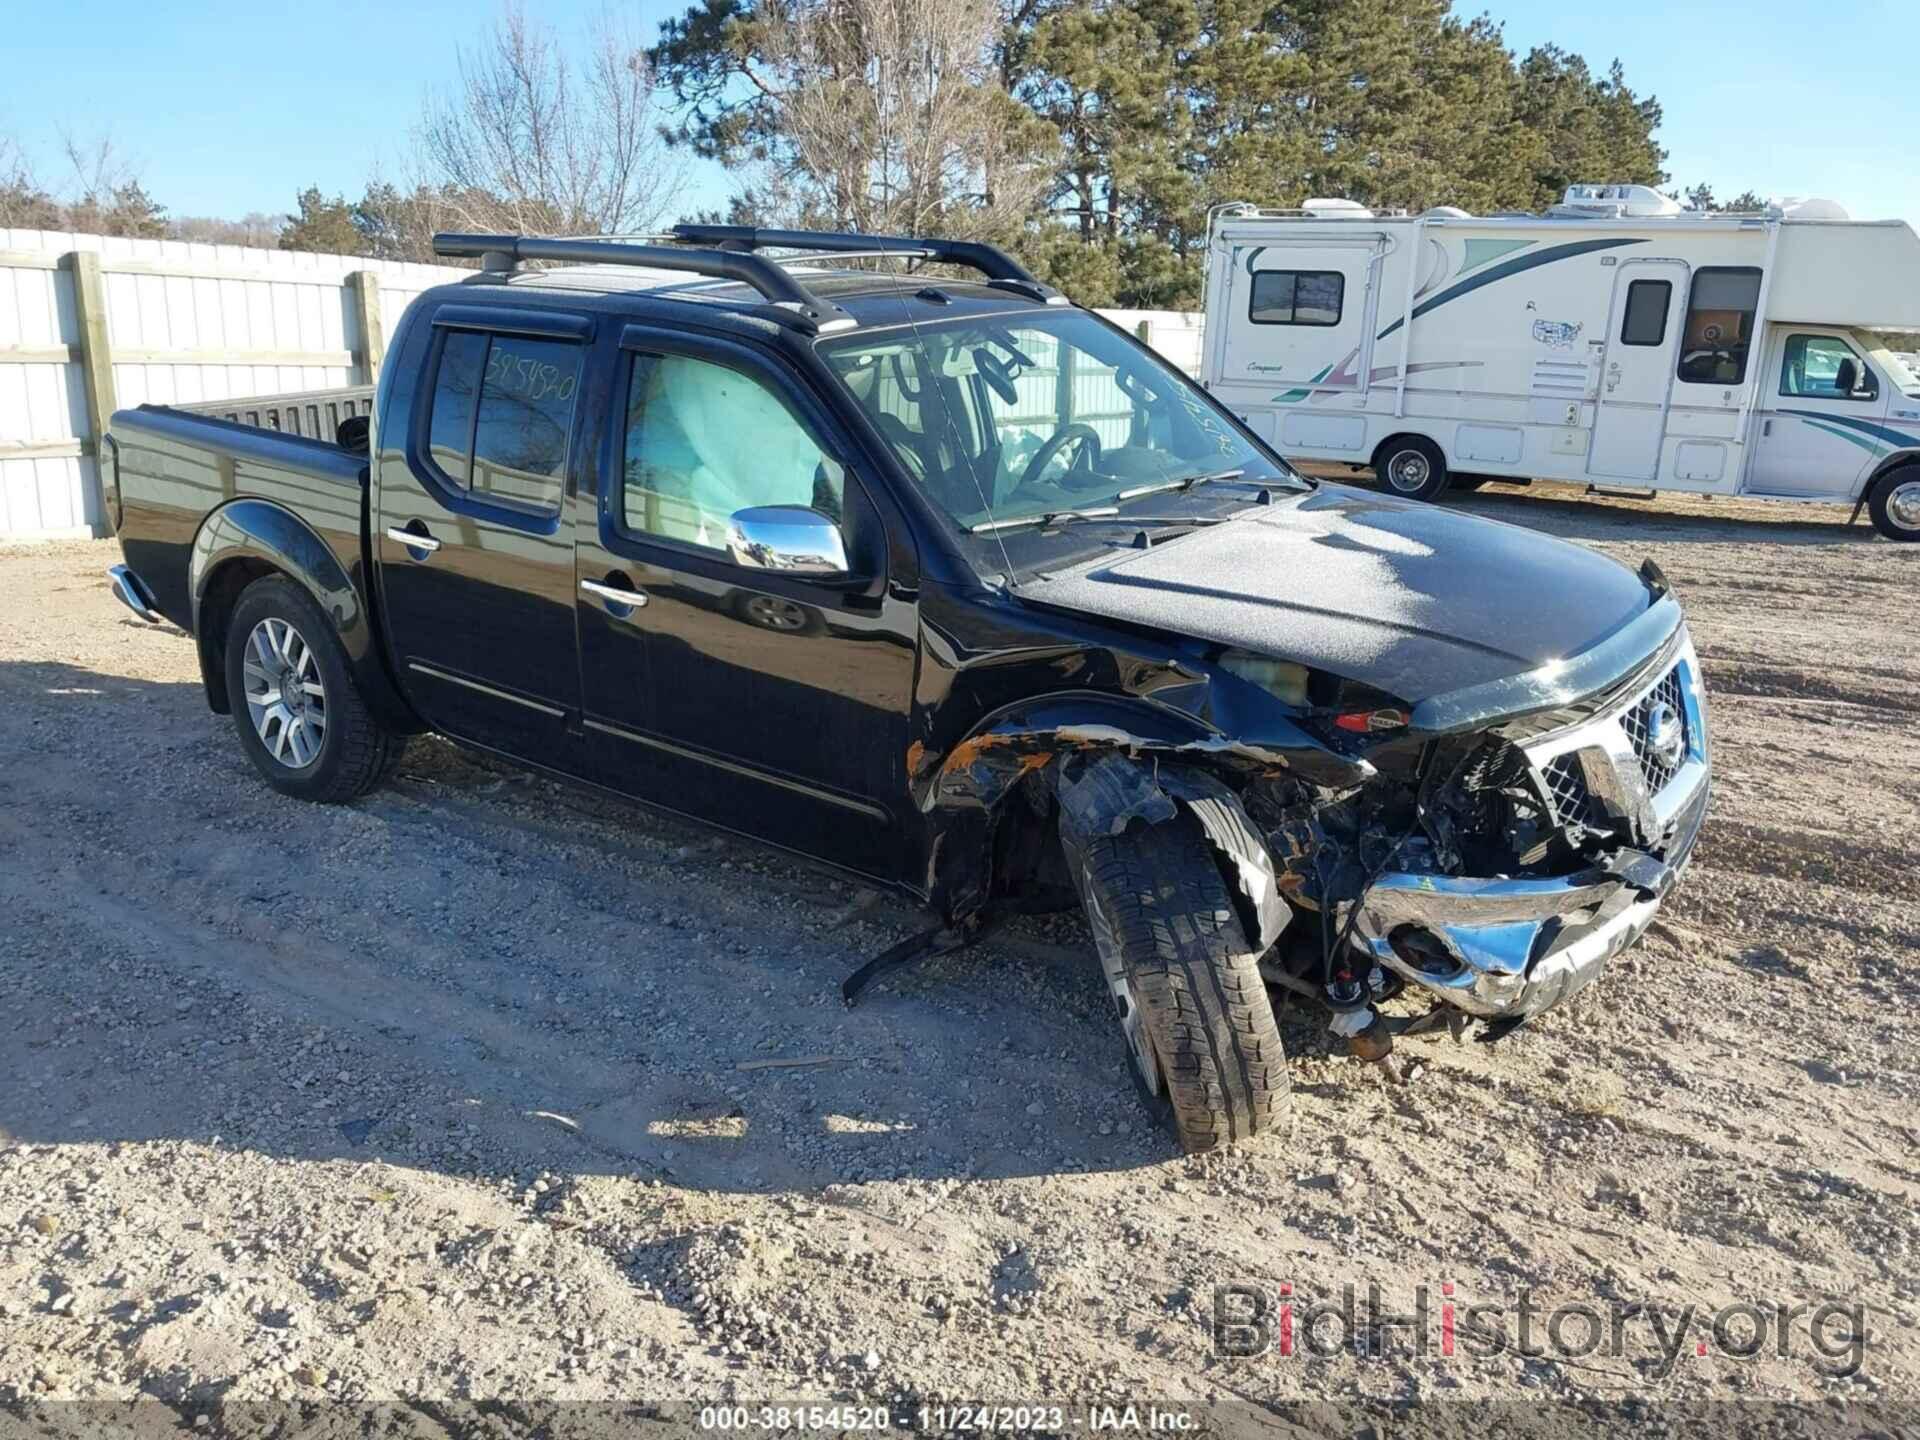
(1643, 338)
(476, 564)
(770, 703)
(1821, 404)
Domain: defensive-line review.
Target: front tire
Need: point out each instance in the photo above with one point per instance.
(1895, 504)
(1200, 1034)
(1412, 467)
(299, 715)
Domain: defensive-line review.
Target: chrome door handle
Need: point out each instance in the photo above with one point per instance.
(412, 540)
(613, 594)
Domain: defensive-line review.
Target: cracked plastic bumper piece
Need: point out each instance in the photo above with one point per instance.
(1499, 948)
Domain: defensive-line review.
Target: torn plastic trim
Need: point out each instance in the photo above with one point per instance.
(1104, 794)
(983, 767)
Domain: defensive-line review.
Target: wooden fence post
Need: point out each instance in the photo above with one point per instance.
(96, 364)
(373, 334)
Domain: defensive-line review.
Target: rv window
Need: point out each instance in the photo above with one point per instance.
(1646, 318)
(1813, 369)
(1296, 297)
(1713, 347)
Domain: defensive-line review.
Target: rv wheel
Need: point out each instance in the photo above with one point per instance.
(1896, 504)
(1411, 466)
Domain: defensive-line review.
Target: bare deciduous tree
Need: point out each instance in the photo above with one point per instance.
(533, 141)
(889, 115)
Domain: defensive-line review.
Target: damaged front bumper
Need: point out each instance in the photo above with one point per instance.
(1508, 947)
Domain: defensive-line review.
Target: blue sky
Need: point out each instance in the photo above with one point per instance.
(233, 107)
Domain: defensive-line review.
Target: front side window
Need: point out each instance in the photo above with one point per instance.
(1719, 329)
(1007, 418)
(502, 416)
(1821, 367)
(704, 441)
(1645, 322)
(1296, 297)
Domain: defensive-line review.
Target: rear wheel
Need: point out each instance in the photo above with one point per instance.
(1411, 466)
(1895, 504)
(300, 717)
(1199, 1031)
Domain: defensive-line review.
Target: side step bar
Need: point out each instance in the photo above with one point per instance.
(131, 592)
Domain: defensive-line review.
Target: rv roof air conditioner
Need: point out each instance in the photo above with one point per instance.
(1321, 208)
(1615, 202)
(1795, 207)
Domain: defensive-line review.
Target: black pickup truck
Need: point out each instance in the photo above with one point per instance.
(880, 551)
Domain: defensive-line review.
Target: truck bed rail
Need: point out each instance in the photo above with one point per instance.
(314, 414)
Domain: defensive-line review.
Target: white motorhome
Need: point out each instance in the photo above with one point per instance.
(1618, 341)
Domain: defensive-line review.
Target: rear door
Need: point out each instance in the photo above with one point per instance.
(1643, 339)
(476, 562)
(1821, 403)
(774, 704)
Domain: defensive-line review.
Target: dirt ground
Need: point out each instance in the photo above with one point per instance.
(457, 1094)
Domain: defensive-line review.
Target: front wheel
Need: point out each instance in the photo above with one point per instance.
(300, 717)
(1412, 467)
(1895, 504)
(1200, 1034)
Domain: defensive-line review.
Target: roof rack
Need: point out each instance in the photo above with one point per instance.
(1000, 268)
(789, 302)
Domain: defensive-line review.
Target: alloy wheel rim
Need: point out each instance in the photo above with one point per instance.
(1903, 505)
(1408, 470)
(285, 697)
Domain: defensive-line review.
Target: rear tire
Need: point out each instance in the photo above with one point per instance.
(1412, 467)
(1895, 504)
(1201, 1039)
(300, 717)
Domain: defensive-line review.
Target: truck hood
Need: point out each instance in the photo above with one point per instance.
(1411, 598)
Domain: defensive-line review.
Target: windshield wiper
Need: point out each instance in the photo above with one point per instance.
(1206, 477)
(1048, 517)
(1105, 515)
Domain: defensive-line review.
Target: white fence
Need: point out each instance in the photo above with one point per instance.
(89, 324)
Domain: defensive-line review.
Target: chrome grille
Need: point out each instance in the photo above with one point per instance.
(1567, 788)
(1635, 721)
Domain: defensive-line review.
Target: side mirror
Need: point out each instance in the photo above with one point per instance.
(354, 434)
(789, 538)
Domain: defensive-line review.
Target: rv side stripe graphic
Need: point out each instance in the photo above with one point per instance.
(1900, 438)
(1509, 267)
(1872, 447)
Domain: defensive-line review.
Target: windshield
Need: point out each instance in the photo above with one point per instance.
(1895, 353)
(1006, 419)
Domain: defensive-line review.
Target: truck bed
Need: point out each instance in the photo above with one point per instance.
(171, 467)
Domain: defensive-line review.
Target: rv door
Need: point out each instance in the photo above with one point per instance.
(1296, 317)
(1636, 375)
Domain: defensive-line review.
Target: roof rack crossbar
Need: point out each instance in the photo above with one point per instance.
(990, 260)
(754, 271)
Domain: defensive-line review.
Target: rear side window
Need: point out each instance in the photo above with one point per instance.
(1296, 297)
(1646, 318)
(502, 416)
(1719, 332)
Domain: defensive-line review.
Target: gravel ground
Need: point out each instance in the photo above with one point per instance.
(459, 1094)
